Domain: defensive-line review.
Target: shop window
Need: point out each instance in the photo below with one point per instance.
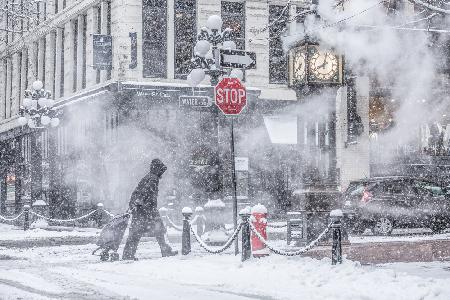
(83, 81)
(61, 82)
(154, 32)
(277, 58)
(185, 35)
(108, 31)
(233, 16)
(98, 30)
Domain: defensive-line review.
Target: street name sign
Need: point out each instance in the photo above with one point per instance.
(231, 96)
(194, 101)
(237, 59)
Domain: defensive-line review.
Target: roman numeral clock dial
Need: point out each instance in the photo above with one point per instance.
(324, 66)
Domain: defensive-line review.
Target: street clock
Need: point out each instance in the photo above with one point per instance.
(309, 64)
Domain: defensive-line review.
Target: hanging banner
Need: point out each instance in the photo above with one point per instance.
(133, 57)
(102, 48)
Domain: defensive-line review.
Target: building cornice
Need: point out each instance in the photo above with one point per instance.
(55, 22)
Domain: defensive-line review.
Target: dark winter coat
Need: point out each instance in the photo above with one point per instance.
(144, 201)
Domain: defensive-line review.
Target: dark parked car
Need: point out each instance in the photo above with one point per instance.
(385, 203)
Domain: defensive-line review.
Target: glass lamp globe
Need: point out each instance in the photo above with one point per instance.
(229, 45)
(37, 85)
(237, 73)
(31, 123)
(42, 102)
(191, 82)
(202, 47)
(197, 75)
(45, 120)
(50, 102)
(27, 102)
(22, 121)
(54, 122)
(214, 22)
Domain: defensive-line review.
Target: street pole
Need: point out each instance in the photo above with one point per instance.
(233, 175)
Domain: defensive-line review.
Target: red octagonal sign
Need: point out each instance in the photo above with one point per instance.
(231, 96)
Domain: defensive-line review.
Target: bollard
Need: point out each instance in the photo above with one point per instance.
(246, 246)
(99, 215)
(186, 237)
(200, 220)
(26, 214)
(336, 250)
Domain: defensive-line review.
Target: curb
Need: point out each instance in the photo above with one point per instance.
(47, 242)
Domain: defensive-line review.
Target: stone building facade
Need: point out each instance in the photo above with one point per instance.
(92, 157)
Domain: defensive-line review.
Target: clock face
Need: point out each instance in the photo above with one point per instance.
(324, 66)
(300, 66)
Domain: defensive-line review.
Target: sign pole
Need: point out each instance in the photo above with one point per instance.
(231, 98)
(233, 175)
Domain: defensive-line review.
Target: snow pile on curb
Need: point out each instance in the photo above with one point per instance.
(276, 277)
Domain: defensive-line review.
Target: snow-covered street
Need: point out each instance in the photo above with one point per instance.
(71, 272)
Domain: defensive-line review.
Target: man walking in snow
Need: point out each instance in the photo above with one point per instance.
(145, 214)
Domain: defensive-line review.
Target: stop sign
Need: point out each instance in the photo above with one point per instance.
(231, 96)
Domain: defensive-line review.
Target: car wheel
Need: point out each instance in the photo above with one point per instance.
(438, 225)
(383, 226)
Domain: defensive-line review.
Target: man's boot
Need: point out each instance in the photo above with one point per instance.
(166, 250)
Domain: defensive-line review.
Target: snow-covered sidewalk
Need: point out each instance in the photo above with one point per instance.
(12, 236)
(70, 271)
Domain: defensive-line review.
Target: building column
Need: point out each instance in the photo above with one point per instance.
(91, 23)
(80, 48)
(2, 89)
(58, 68)
(8, 94)
(15, 90)
(41, 60)
(49, 63)
(104, 30)
(23, 74)
(32, 57)
(68, 58)
(60, 5)
(51, 8)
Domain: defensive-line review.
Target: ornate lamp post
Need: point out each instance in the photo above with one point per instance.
(206, 53)
(37, 110)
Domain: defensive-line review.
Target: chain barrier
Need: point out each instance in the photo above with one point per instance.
(276, 226)
(109, 213)
(224, 247)
(63, 221)
(11, 219)
(290, 253)
(173, 225)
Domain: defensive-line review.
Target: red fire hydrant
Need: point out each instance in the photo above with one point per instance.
(259, 221)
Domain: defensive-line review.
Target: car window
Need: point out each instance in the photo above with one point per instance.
(394, 187)
(357, 188)
(429, 188)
